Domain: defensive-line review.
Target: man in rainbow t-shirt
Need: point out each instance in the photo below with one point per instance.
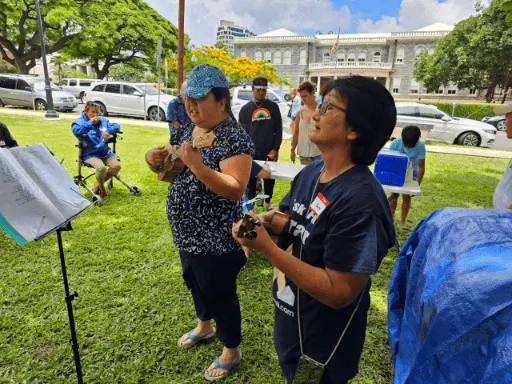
(261, 118)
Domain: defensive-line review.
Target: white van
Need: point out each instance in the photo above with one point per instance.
(76, 87)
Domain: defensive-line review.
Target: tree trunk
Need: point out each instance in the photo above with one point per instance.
(507, 86)
(489, 96)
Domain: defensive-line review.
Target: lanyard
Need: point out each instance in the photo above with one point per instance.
(298, 299)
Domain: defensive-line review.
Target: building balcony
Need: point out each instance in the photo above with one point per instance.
(350, 65)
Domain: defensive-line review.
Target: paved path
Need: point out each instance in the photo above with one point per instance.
(453, 150)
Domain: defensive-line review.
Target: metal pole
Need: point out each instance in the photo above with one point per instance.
(158, 63)
(50, 109)
(181, 41)
(166, 75)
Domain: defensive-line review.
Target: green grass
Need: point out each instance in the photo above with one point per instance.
(133, 305)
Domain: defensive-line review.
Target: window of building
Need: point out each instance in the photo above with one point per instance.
(361, 57)
(400, 55)
(243, 54)
(258, 55)
(303, 57)
(452, 90)
(396, 86)
(472, 91)
(267, 56)
(287, 58)
(340, 58)
(440, 91)
(377, 57)
(415, 87)
(277, 58)
(301, 79)
(351, 57)
(326, 57)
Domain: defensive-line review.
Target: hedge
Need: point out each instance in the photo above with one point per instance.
(475, 111)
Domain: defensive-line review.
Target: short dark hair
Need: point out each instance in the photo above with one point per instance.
(223, 93)
(371, 113)
(306, 86)
(410, 136)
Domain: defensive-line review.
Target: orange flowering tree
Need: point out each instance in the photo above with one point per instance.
(239, 70)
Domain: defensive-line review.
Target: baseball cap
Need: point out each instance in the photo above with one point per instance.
(260, 83)
(503, 109)
(203, 79)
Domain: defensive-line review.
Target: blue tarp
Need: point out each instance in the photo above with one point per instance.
(450, 300)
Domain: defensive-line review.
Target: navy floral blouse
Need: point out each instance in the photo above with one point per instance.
(200, 219)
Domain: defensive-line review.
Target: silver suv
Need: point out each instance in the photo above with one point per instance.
(76, 87)
(28, 91)
(129, 99)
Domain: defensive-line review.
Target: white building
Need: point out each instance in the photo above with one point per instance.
(228, 31)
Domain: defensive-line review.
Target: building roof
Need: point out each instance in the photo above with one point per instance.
(353, 36)
(436, 27)
(278, 33)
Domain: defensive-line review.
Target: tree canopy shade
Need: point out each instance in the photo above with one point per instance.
(477, 54)
(19, 34)
(104, 32)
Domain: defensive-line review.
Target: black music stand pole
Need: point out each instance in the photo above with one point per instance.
(69, 299)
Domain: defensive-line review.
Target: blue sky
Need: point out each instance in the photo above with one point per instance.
(307, 16)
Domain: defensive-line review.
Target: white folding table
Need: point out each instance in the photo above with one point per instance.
(287, 171)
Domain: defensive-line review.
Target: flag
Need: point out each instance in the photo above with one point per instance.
(336, 43)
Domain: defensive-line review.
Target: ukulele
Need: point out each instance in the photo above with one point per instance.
(275, 228)
(173, 165)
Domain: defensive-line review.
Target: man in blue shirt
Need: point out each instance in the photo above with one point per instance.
(411, 145)
(176, 112)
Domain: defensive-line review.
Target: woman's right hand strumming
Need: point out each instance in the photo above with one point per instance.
(156, 156)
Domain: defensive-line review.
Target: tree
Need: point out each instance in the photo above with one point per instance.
(126, 72)
(122, 31)
(239, 70)
(477, 54)
(221, 45)
(19, 33)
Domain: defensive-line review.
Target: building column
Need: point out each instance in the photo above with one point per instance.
(388, 82)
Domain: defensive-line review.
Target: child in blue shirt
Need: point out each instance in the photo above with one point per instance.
(411, 145)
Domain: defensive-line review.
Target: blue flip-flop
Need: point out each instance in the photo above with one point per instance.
(226, 366)
(195, 339)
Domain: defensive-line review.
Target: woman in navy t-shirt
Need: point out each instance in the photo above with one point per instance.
(341, 227)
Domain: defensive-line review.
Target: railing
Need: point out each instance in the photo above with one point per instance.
(269, 39)
(424, 34)
(354, 65)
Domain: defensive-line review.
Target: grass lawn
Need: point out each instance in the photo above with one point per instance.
(133, 305)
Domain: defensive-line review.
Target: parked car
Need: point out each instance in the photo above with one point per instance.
(445, 128)
(129, 99)
(500, 122)
(242, 95)
(29, 91)
(76, 87)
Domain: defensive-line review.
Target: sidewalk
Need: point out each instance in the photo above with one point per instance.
(453, 150)
(73, 116)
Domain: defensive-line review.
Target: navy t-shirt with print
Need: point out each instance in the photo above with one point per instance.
(352, 234)
(200, 219)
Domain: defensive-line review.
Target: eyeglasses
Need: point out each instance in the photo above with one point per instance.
(325, 106)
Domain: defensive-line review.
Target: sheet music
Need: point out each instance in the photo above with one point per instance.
(23, 205)
(51, 178)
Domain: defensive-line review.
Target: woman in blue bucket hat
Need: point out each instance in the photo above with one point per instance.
(203, 202)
